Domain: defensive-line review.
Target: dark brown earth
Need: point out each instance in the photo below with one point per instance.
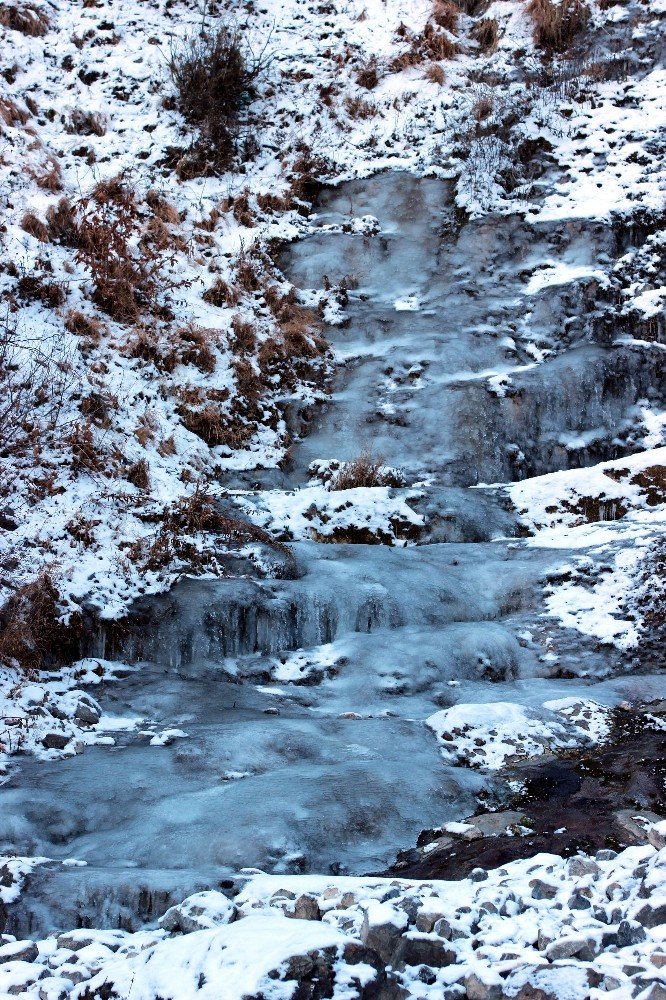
(593, 793)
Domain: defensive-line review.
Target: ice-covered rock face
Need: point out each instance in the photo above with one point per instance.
(446, 328)
(281, 723)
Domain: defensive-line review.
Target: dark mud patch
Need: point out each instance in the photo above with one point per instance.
(584, 800)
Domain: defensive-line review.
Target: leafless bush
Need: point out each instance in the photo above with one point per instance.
(125, 278)
(213, 74)
(365, 470)
(30, 630)
(486, 33)
(34, 379)
(27, 18)
(557, 24)
(88, 122)
(445, 14)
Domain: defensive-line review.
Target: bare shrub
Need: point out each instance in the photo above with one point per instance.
(139, 474)
(445, 13)
(31, 633)
(63, 224)
(368, 75)
(213, 74)
(37, 287)
(125, 278)
(34, 379)
(365, 471)
(557, 24)
(86, 455)
(27, 18)
(486, 33)
(88, 122)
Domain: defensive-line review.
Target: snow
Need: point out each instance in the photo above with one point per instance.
(492, 734)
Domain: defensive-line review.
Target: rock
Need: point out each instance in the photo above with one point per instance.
(656, 991)
(442, 928)
(55, 741)
(478, 875)
(542, 890)
(22, 975)
(348, 899)
(651, 915)
(605, 855)
(635, 832)
(427, 976)
(282, 894)
(354, 953)
(658, 959)
(477, 989)
(305, 908)
(19, 951)
(583, 866)
(382, 930)
(657, 836)
(424, 950)
(198, 912)
(495, 824)
(630, 932)
(54, 988)
(564, 948)
(578, 901)
(384, 987)
(87, 712)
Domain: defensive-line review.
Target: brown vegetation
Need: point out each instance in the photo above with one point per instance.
(557, 24)
(213, 76)
(486, 33)
(365, 470)
(27, 18)
(30, 630)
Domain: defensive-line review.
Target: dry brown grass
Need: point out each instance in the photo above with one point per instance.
(357, 107)
(368, 75)
(49, 177)
(63, 224)
(244, 336)
(445, 14)
(87, 122)
(220, 294)
(435, 74)
(11, 114)
(433, 44)
(486, 33)
(84, 326)
(139, 474)
(162, 208)
(30, 633)
(27, 18)
(365, 471)
(557, 24)
(34, 226)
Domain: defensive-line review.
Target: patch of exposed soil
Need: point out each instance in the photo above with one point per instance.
(581, 800)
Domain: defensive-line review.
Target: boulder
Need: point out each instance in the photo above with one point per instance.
(542, 890)
(630, 932)
(55, 741)
(422, 949)
(652, 915)
(657, 836)
(583, 866)
(199, 912)
(478, 989)
(19, 951)
(305, 908)
(382, 929)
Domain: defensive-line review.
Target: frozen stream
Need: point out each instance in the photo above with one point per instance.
(271, 773)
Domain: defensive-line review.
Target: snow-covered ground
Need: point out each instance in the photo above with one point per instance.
(131, 461)
(545, 927)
